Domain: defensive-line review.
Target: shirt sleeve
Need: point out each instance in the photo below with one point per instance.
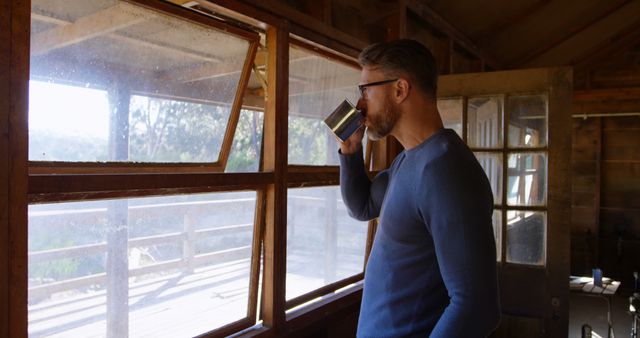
(362, 196)
(457, 206)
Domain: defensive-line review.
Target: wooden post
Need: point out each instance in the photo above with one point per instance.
(117, 270)
(14, 88)
(275, 160)
(330, 235)
(188, 244)
(118, 221)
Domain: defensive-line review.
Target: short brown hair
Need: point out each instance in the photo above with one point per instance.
(404, 57)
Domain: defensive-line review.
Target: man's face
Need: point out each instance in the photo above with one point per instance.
(376, 102)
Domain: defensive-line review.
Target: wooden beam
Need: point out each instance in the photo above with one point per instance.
(205, 71)
(300, 24)
(569, 34)
(138, 42)
(100, 23)
(5, 179)
(426, 13)
(275, 160)
(617, 94)
(14, 91)
(506, 22)
(614, 45)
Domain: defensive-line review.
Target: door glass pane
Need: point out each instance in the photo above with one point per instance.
(177, 266)
(492, 165)
(451, 113)
(526, 237)
(247, 143)
(497, 232)
(324, 244)
(484, 121)
(316, 86)
(527, 120)
(115, 81)
(527, 183)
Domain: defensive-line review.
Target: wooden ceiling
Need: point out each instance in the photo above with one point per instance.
(601, 39)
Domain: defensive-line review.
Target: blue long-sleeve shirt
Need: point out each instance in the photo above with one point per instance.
(432, 268)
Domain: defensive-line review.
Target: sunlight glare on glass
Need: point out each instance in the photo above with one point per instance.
(68, 110)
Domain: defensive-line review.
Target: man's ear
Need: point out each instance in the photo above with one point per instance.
(402, 89)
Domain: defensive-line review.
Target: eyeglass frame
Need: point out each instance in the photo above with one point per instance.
(363, 87)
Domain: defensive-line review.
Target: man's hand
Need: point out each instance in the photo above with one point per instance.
(353, 143)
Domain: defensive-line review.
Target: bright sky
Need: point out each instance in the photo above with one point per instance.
(68, 110)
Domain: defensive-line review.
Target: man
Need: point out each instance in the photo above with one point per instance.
(432, 268)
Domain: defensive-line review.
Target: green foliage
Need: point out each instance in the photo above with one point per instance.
(56, 269)
(173, 131)
(307, 141)
(245, 151)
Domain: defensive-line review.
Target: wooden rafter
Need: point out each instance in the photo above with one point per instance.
(153, 45)
(569, 34)
(606, 49)
(504, 23)
(100, 23)
(435, 20)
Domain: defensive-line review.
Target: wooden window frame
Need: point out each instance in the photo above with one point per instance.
(44, 182)
(253, 38)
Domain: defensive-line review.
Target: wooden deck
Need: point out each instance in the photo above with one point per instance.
(172, 305)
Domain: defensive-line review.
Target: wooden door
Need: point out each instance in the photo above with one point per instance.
(518, 123)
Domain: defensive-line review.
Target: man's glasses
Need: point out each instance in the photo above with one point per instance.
(363, 87)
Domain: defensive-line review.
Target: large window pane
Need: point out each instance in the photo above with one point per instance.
(451, 113)
(324, 244)
(484, 121)
(527, 183)
(492, 165)
(113, 81)
(527, 120)
(316, 86)
(179, 265)
(526, 237)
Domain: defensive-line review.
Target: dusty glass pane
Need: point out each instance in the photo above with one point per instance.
(492, 165)
(174, 131)
(317, 85)
(95, 66)
(247, 143)
(484, 121)
(324, 244)
(180, 265)
(527, 120)
(497, 233)
(527, 182)
(451, 114)
(526, 237)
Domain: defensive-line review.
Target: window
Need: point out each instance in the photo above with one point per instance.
(324, 244)
(148, 198)
(112, 81)
(175, 265)
(325, 247)
(317, 85)
(154, 230)
(516, 167)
